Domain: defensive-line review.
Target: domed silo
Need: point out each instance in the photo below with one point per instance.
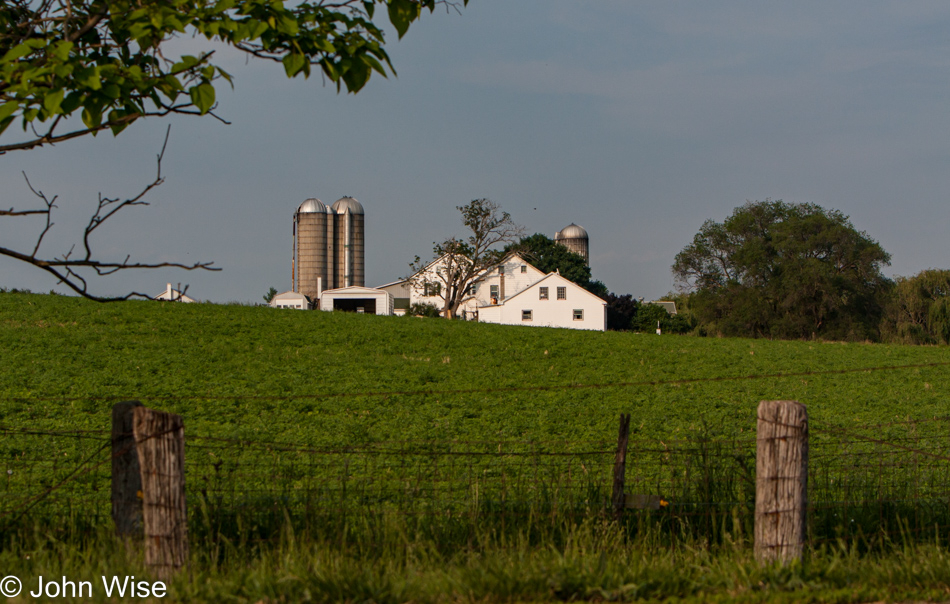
(312, 241)
(350, 243)
(575, 238)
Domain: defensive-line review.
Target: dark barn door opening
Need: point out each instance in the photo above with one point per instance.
(365, 305)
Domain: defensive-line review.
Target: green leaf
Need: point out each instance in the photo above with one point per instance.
(401, 14)
(61, 50)
(89, 78)
(21, 50)
(7, 109)
(53, 100)
(293, 63)
(112, 91)
(71, 102)
(202, 96)
(92, 117)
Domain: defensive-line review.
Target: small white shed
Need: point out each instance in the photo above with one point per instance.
(290, 299)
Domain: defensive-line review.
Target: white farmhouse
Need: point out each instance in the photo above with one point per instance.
(505, 279)
(512, 292)
(552, 301)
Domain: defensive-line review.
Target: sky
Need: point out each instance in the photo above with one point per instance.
(636, 120)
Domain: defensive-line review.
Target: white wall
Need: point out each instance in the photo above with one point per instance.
(551, 312)
(515, 280)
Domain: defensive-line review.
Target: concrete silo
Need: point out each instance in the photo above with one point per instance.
(313, 248)
(349, 242)
(575, 238)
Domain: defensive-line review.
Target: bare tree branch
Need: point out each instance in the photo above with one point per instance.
(66, 268)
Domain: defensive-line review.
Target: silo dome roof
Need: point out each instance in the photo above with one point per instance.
(312, 206)
(343, 204)
(573, 231)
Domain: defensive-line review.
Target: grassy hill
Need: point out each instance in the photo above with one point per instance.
(343, 378)
(277, 524)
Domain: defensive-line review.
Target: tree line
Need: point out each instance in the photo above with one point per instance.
(799, 271)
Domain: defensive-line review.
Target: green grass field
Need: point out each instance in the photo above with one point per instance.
(324, 377)
(271, 524)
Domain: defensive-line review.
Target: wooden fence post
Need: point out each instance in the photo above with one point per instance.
(620, 465)
(781, 481)
(126, 480)
(160, 442)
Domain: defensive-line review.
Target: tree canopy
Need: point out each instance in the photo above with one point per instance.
(70, 68)
(919, 309)
(110, 61)
(774, 269)
(548, 256)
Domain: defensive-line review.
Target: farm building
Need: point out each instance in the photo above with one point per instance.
(500, 295)
(366, 300)
(173, 295)
(553, 301)
(401, 293)
(291, 299)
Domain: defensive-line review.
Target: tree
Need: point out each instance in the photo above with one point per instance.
(548, 256)
(919, 309)
(108, 62)
(621, 309)
(774, 269)
(269, 296)
(459, 262)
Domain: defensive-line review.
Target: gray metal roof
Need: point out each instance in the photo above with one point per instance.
(343, 204)
(573, 231)
(312, 206)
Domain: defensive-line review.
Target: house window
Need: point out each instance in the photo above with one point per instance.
(493, 291)
(432, 289)
(524, 269)
(526, 315)
(542, 293)
(578, 314)
(562, 293)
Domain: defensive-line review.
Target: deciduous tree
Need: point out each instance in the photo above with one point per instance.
(919, 309)
(775, 269)
(459, 262)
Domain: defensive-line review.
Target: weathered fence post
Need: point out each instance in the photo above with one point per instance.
(781, 481)
(620, 465)
(160, 442)
(126, 479)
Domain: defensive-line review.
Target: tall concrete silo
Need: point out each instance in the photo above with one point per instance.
(349, 243)
(575, 238)
(313, 248)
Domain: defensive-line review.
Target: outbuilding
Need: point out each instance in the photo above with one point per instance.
(291, 299)
(357, 299)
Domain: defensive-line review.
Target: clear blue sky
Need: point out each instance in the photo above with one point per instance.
(635, 120)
